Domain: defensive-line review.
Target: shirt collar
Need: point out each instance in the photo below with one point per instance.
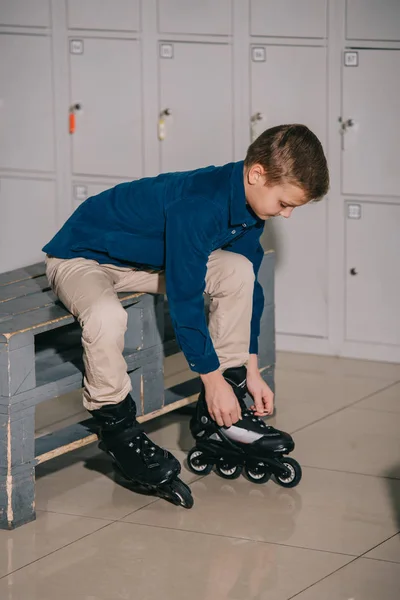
(239, 212)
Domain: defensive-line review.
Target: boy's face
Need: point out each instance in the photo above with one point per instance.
(266, 202)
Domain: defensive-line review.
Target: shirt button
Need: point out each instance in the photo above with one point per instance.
(192, 364)
(234, 231)
(244, 225)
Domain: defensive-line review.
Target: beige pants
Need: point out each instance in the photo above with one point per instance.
(89, 291)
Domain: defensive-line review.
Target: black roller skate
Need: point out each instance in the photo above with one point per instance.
(250, 444)
(136, 457)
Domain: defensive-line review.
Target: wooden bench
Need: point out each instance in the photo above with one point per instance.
(41, 358)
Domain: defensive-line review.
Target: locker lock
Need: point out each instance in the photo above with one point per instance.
(345, 124)
(353, 271)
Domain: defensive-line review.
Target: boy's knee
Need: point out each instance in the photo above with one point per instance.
(106, 317)
(239, 274)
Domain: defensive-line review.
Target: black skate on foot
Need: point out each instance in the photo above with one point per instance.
(136, 457)
(250, 444)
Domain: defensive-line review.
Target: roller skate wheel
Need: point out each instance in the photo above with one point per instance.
(178, 493)
(195, 463)
(227, 471)
(258, 474)
(295, 473)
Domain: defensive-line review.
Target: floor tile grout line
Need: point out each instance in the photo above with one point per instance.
(68, 514)
(351, 472)
(233, 537)
(56, 550)
(343, 408)
(363, 555)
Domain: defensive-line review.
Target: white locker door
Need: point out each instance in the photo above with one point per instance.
(371, 141)
(193, 16)
(28, 207)
(26, 103)
(372, 273)
(106, 83)
(373, 19)
(288, 18)
(290, 87)
(25, 13)
(196, 87)
(117, 15)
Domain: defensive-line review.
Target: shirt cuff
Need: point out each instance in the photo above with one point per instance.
(204, 364)
(253, 345)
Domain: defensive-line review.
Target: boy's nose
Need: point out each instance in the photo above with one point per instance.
(286, 212)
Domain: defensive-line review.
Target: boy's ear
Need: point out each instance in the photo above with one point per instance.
(256, 174)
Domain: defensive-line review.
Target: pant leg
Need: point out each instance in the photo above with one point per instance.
(230, 285)
(87, 290)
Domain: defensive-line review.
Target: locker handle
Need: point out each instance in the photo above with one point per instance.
(254, 119)
(72, 121)
(162, 130)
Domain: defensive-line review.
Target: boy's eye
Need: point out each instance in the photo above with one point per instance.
(283, 204)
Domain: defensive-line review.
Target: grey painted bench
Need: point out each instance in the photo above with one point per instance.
(41, 358)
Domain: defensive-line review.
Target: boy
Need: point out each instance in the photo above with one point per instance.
(185, 234)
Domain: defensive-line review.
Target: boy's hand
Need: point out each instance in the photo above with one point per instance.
(221, 401)
(261, 393)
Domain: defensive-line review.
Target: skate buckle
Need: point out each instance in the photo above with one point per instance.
(204, 420)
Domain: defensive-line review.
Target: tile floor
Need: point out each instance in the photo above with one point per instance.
(335, 537)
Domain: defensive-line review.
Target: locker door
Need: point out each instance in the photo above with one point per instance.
(191, 16)
(373, 19)
(118, 15)
(196, 86)
(26, 106)
(372, 274)
(106, 83)
(25, 12)
(371, 144)
(28, 208)
(288, 18)
(290, 87)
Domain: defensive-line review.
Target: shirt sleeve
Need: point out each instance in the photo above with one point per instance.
(249, 246)
(189, 242)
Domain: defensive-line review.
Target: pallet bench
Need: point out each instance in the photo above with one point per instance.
(41, 358)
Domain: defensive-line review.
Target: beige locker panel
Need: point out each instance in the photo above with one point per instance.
(196, 87)
(372, 272)
(28, 220)
(373, 19)
(26, 103)
(193, 16)
(112, 15)
(106, 83)
(83, 190)
(298, 96)
(28, 13)
(371, 142)
(288, 18)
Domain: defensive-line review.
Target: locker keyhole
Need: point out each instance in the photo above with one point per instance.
(353, 271)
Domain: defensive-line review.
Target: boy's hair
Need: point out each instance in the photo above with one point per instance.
(291, 154)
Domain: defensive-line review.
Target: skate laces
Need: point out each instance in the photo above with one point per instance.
(144, 446)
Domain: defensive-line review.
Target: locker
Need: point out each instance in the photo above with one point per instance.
(26, 103)
(112, 15)
(196, 87)
(25, 13)
(191, 16)
(372, 273)
(290, 87)
(83, 190)
(373, 19)
(371, 131)
(28, 220)
(106, 84)
(288, 18)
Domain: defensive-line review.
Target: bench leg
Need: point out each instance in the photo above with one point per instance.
(17, 433)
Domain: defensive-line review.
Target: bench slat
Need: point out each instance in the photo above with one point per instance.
(49, 317)
(22, 274)
(23, 288)
(17, 306)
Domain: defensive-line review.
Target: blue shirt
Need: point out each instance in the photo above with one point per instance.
(172, 222)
